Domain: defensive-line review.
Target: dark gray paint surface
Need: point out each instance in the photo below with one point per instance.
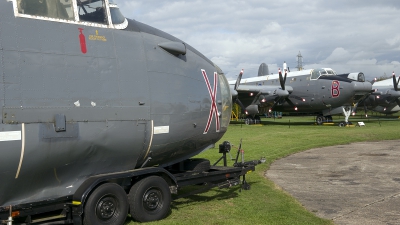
(117, 99)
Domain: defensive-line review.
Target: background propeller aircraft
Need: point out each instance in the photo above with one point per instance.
(385, 98)
(317, 91)
(95, 108)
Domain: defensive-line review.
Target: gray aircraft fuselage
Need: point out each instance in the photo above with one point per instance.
(385, 98)
(310, 92)
(79, 99)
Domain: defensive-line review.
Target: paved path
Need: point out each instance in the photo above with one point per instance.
(357, 183)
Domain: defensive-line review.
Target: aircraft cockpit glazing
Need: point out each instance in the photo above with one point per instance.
(316, 73)
(98, 13)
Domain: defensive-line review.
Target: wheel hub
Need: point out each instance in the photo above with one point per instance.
(106, 208)
(152, 200)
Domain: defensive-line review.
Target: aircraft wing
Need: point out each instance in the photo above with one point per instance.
(249, 97)
(264, 90)
(266, 95)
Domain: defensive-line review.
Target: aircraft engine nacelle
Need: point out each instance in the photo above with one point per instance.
(371, 99)
(252, 109)
(282, 93)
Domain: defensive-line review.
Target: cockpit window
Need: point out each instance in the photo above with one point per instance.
(97, 13)
(361, 77)
(314, 74)
(323, 72)
(116, 15)
(92, 11)
(330, 72)
(59, 9)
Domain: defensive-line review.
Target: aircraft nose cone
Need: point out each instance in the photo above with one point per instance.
(362, 87)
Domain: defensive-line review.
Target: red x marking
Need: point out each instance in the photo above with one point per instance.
(213, 96)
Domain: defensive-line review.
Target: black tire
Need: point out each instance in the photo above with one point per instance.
(150, 199)
(107, 205)
(342, 124)
(257, 120)
(197, 165)
(320, 120)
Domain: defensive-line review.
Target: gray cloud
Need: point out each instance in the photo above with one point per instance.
(346, 35)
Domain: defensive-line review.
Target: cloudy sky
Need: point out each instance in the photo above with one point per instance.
(346, 35)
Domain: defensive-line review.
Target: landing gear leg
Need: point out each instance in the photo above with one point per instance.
(346, 112)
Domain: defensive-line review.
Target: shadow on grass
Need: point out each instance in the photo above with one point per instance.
(335, 122)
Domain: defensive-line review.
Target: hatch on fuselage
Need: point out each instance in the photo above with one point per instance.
(99, 13)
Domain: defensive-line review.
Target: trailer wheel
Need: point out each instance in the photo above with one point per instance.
(150, 199)
(107, 205)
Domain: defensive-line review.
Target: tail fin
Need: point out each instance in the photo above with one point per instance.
(263, 70)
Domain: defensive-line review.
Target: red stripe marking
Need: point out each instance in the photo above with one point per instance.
(213, 96)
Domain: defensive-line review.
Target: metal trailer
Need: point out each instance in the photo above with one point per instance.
(153, 189)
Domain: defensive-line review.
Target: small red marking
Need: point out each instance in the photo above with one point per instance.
(335, 92)
(213, 96)
(82, 41)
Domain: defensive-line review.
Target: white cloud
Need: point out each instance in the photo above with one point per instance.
(344, 35)
(339, 55)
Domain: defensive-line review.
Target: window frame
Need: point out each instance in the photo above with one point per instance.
(76, 16)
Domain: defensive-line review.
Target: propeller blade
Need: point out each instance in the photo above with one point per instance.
(355, 108)
(297, 98)
(238, 79)
(398, 101)
(365, 110)
(284, 80)
(395, 83)
(289, 102)
(243, 109)
(281, 81)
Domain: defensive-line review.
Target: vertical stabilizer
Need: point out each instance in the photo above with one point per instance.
(263, 70)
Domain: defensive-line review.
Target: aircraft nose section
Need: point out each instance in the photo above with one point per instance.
(362, 87)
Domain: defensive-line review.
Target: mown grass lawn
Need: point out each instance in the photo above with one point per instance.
(266, 203)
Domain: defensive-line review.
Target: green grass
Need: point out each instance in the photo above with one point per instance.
(266, 203)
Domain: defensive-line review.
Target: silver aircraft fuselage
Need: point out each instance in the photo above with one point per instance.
(80, 98)
(385, 98)
(317, 91)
